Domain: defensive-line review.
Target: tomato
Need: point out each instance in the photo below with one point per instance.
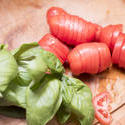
(117, 29)
(66, 28)
(94, 58)
(117, 48)
(75, 66)
(79, 26)
(50, 43)
(98, 32)
(54, 11)
(122, 57)
(101, 104)
(75, 30)
(106, 35)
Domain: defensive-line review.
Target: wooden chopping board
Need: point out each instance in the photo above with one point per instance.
(24, 21)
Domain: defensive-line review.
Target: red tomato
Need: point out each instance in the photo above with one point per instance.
(89, 58)
(117, 30)
(109, 35)
(54, 11)
(75, 66)
(98, 32)
(117, 48)
(70, 32)
(122, 56)
(106, 35)
(50, 43)
(101, 104)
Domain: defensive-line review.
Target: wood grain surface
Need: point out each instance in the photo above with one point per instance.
(24, 21)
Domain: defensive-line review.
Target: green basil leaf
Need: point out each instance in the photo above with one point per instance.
(8, 67)
(63, 115)
(43, 102)
(31, 65)
(15, 94)
(78, 100)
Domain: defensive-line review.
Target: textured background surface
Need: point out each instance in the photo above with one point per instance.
(25, 21)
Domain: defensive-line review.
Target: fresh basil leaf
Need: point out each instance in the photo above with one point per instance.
(8, 67)
(43, 102)
(15, 94)
(63, 115)
(77, 99)
(53, 62)
(11, 111)
(31, 65)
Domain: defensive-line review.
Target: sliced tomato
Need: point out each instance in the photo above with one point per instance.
(83, 33)
(98, 32)
(54, 11)
(61, 27)
(102, 107)
(75, 30)
(105, 57)
(106, 35)
(76, 65)
(117, 30)
(54, 25)
(122, 57)
(50, 43)
(79, 35)
(66, 28)
(91, 29)
(117, 48)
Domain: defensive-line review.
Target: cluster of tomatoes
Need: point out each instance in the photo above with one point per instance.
(86, 56)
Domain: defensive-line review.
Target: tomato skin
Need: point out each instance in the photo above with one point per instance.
(117, 48)
(122, 57)
(55, 11)
(79, 31)
(102, 107)
(109, 35)
(89, 60)
(50, 43)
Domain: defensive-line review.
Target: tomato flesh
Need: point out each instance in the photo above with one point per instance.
(101, 104)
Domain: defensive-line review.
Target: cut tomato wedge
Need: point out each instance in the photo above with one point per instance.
(102, 107)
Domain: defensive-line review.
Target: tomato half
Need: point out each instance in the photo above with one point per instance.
(102, 107)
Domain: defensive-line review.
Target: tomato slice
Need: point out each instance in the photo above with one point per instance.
(83, 33)
(55, 11)
(61, 27)
(91, 29)
(105, 56)
(98, 32)
(75, 30)
(53, 25)
(101, 104)
(117, 48)
(106, 35)
(117, 29)
(122, 57)
(78, 39)
(66, 29)
(76, 65)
